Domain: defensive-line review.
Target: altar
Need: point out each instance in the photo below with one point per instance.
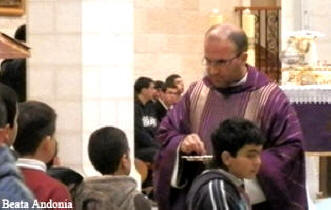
(313, 106)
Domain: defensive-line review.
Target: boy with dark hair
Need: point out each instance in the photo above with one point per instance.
(13, 71)
(158, 88)
(12, 188)
(237, 145)
(68, 177)
(8, 112)
(144, 83)
(35, 144)
(109, 154)
(20, 33)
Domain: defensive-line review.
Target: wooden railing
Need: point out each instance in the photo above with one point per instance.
(267, 39)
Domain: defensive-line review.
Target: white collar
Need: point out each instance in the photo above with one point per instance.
(162, 103)
(31, 164)
(240, 82)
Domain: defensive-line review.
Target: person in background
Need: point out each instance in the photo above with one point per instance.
(237, 146)
(169, 96)
(68, 177)
(158, 89)
(145, 121)
(36, 144)
(114, 190)
(176, 80)
(13, 71)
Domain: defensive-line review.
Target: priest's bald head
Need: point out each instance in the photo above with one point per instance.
(225, 55)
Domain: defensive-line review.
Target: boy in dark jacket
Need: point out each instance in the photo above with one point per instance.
(237, 145)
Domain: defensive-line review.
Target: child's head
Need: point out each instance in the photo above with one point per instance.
(36, 128)
(237, 145)
(8, 115)
(108, 151)
(66, 176)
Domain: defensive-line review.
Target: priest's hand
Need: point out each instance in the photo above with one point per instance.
(192, 144)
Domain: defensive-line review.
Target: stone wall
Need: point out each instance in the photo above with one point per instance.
(54, 72)
(168, 35)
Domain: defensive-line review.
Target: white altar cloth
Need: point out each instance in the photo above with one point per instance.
(308, 94)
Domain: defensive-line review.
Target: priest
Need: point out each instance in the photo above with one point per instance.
(231, 88)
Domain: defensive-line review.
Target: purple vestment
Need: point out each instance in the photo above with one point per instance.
(282, 173)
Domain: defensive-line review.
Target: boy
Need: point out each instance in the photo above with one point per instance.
(109, 154)
(35, 144)
(237, 145)
(12, 188)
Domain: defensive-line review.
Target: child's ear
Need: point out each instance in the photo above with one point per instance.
(226, 158)
(6, 135)
(125, 163)
(46, 144)
(50, 147)
(3, 135)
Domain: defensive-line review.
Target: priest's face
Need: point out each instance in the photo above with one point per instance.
(247, 162)
(224, 64)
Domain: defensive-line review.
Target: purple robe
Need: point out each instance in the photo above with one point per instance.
(282, 173)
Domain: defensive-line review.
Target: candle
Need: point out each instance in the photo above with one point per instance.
(215, 18)
(248, 25)
(251, 56)
(248, 21)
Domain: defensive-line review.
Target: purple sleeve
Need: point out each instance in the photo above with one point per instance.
(172, 130)
(282, 173)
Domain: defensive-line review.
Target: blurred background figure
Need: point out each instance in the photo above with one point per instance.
(68, 177)
(145, 121)
(13, 71)
(168, 97)
(158, 89)
(176, 80)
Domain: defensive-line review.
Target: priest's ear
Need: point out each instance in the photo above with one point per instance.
(243, 57)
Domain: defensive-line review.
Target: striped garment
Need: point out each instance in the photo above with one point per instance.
(203, 107)
(217, 190)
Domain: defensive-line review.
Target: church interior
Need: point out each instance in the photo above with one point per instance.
(84, 55)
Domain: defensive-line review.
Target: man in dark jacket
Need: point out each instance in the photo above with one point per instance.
(169, 96)
(145, 121)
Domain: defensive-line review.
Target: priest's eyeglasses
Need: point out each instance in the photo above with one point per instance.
(220, 62)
